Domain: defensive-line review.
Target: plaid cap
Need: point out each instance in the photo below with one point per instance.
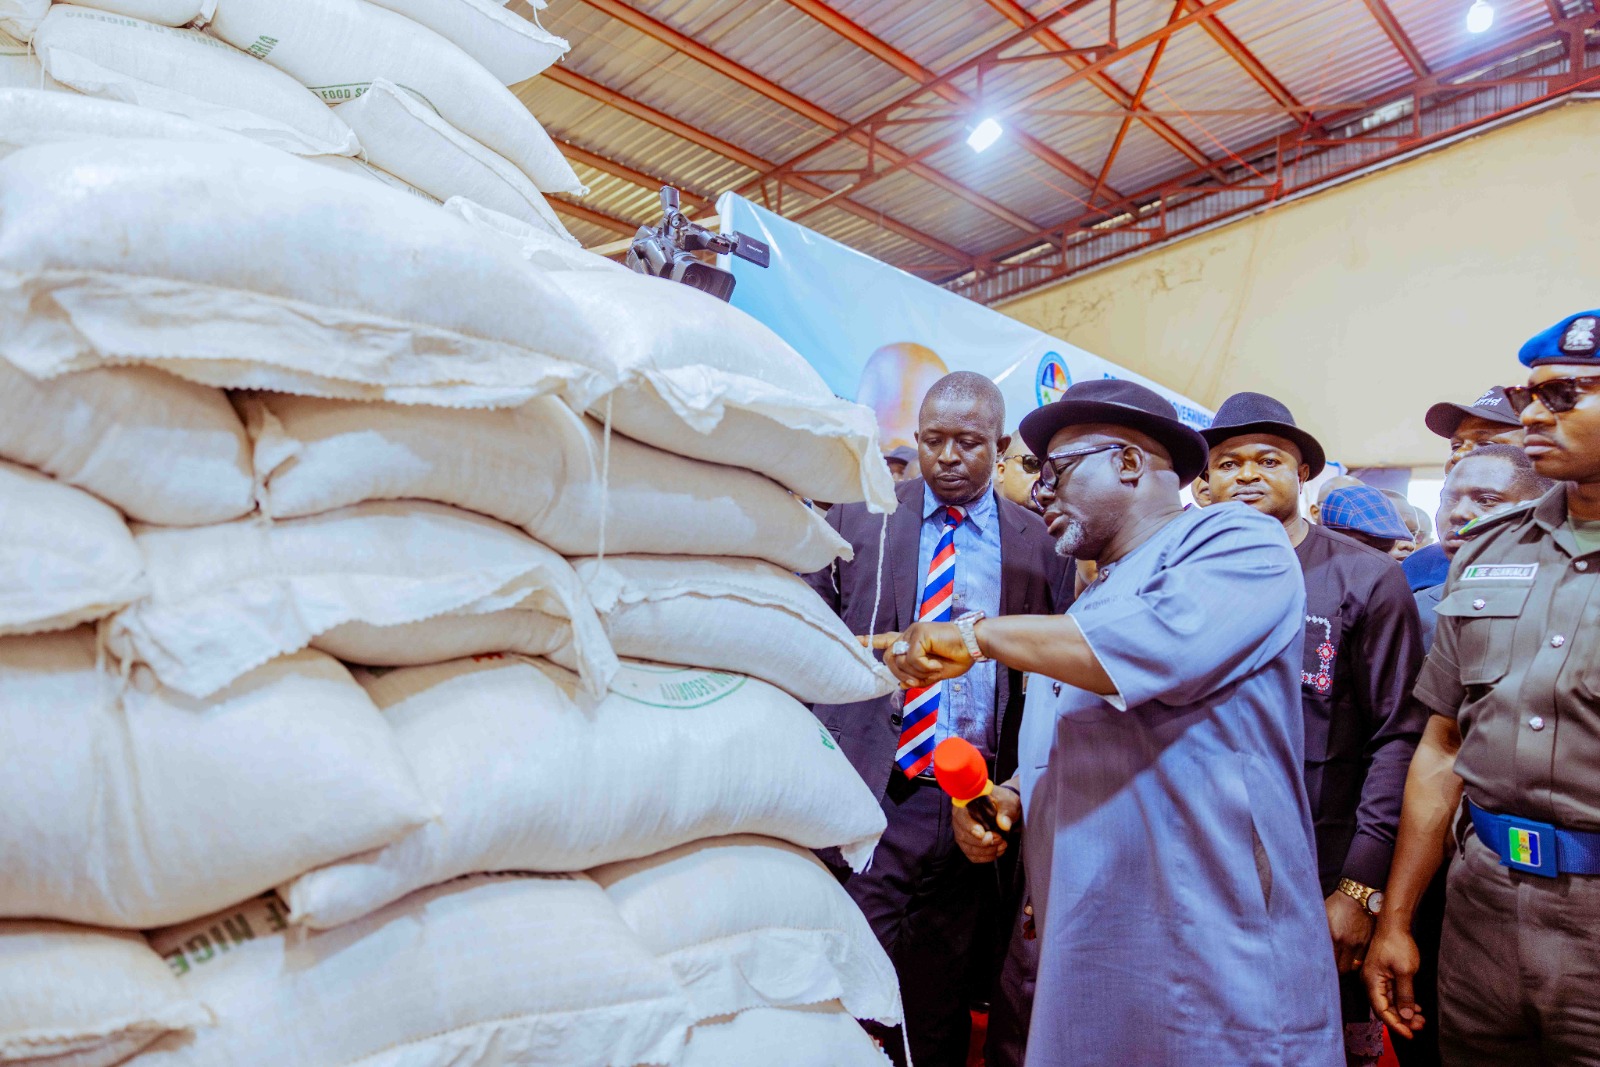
(1365, 510)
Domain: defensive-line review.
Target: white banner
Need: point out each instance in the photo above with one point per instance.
(880, 336)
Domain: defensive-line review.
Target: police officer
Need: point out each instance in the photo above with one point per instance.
(1513, 681)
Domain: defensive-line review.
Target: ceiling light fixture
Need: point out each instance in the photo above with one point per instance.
(1480, 16)
(988, 132)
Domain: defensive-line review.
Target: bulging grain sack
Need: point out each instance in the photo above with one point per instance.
(186, 73)
(161, 12)
(491, 971)
(809, 1036)
(383, 583)
(406, 138)
(507, 751)
(540, 467)
(19, 18)
(162, 449)
(20, 68)
(532, 243)
(130, 805)
(73, 996)
(510, 47)
(726, 614)
(704, 379)
(337, 48)
(348, 290)
(748, 922)
(37, 117)
(65, 557)
(367, 172)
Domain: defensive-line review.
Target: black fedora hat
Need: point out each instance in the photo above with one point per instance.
(1119, 403)
(1247, 413)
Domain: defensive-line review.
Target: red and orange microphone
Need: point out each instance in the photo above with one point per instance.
(964, 776)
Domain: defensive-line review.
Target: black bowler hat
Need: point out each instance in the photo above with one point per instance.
(1119, 403)
(1446, 418)
(1243, 414)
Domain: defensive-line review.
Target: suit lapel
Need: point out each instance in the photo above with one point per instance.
(905, 525)
(1013, 597)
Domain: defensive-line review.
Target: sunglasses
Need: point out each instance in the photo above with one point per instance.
(1558, 395)
(1051, 471)
(1027, 461)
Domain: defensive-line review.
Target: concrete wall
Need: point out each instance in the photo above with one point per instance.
(1362, 305)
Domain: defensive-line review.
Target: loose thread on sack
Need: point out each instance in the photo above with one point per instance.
(605, 481)
(877, 591)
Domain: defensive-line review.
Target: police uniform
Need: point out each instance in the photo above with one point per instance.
(1516, 663)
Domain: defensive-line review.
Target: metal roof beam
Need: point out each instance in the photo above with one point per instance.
(1019, 16)
(564, 206)
(883, 50)
(682, 42)
(692, 201)
(1246, 59)
(662, 121)
(1137, 102)
(1398, 37)
(1019, 105)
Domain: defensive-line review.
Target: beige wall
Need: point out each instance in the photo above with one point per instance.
(1362, 305)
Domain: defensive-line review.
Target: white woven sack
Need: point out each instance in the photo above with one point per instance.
(34, 117)
(367, 172)
(65, 557)
(540, 466)
(20, 68)
(491, 971)
(349, 290)
(161, 12)
(817, 1035)
(161, 449)
(510, 47)
(19, 18)
(72, 996)
(375, 583)
(339, 47)
(726, 614)
(186, 73)
(704, 379)
(401, 135)
(506, 750)
(532, 243)
(748, 922)
(134, 806)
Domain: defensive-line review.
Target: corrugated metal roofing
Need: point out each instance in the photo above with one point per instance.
(1203, 106)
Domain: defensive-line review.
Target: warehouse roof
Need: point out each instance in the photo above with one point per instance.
(1126, 122)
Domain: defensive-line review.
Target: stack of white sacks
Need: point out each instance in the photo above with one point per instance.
(398, 609)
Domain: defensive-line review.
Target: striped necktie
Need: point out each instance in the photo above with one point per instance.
(921, 713)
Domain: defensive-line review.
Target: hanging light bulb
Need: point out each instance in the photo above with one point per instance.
(1480, 16)
(988, 132)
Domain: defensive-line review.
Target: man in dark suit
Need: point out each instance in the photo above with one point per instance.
(953, 548)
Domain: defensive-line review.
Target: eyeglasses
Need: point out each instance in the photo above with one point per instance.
(1558, 395)
(1051, 472)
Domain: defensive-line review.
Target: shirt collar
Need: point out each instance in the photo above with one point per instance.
(980, 512)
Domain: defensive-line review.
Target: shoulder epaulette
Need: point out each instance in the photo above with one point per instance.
(1499, 518)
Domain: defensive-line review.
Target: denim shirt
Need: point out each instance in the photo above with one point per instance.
(966, 707)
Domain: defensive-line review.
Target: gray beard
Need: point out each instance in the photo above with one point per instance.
(1070, 543)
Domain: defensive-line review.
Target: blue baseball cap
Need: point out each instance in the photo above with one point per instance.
(1365, 510)
(1575, 339)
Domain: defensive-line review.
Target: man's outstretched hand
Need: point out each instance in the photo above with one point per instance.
(935, 652)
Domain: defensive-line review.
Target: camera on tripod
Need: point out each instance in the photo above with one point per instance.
(668, 249)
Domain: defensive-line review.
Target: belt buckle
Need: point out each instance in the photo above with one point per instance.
(1528, 846)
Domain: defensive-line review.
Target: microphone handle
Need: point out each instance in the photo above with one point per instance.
(982, 809)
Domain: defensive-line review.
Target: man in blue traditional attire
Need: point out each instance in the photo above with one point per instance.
(1161, 794)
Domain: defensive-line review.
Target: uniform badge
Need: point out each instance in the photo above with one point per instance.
(1580, 336)
(1499, 572)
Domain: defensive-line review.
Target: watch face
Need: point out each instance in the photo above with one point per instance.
(1375, 902)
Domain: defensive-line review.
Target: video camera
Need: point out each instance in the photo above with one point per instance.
(668, 250)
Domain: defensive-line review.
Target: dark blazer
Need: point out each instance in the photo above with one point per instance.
(1032, 577)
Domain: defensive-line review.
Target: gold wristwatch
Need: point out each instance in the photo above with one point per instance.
(1369, 898)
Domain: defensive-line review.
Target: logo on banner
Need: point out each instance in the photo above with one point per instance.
(1052, 380)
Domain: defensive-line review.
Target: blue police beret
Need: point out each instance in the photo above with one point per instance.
(1575, 339)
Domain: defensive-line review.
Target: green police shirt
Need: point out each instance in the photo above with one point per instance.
(1516, 662)
(1586, 533)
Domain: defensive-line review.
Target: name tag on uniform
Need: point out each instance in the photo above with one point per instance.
(1499, 572)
